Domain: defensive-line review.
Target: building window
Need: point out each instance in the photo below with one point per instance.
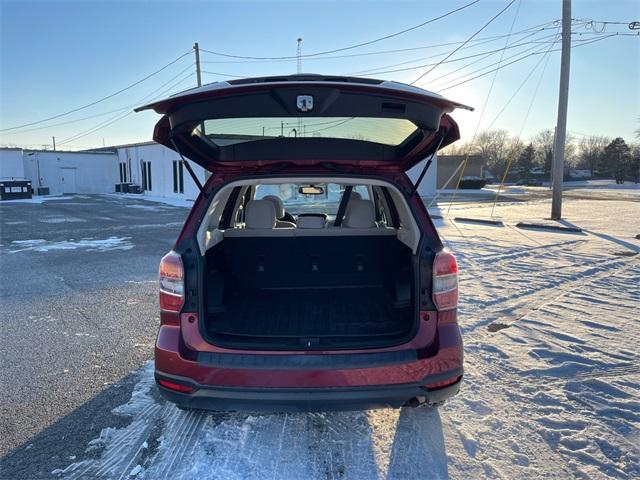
(146, 176)
(123, 172)
(178, 177)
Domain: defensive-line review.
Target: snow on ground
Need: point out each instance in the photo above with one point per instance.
(551, 388)
(174, 202)
(37, 199)
(602, 184)
(88, 244)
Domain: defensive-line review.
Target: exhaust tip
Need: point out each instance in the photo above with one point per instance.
(416, 401)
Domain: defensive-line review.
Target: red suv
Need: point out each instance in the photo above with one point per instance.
(308, 275)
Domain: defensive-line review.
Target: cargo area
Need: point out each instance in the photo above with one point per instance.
(309, 292)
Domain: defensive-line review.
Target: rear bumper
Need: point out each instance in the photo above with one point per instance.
(207, 397)
(295, 381)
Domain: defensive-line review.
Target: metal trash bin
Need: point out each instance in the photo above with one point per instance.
(15, 189)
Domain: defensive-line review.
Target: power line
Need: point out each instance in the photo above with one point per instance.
(103, 113)
(586, 42)
(485, 53)
(465, 42)
(119, 117)
(350, 47)
(486, 100)
(459, 69)
(544, 58)
(524, 122)
(221, 74)
(538, 28)
(99, 100)
(492, 64)
(493, 80)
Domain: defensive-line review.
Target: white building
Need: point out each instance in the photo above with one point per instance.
(71, 172)
(158, 170)
(11, 164)
(62, 172)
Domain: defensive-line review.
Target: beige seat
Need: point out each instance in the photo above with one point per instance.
(311, 221)
(259, 214)
(280, 212)
(360, 214)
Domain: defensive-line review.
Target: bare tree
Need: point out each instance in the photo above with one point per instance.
(591, 150)
(494, 147)
(543, 143)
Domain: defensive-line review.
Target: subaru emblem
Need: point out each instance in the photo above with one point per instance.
(305, 103)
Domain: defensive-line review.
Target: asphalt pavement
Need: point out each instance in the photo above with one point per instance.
(78, 314)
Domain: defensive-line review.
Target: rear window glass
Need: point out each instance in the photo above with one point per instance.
(387, 131)
(296, 203)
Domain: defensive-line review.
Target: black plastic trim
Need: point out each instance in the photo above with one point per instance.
(306, 362)
(308, 399)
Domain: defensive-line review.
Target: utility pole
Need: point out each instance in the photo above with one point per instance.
(196, 47)
(54, 143)
(561, 125)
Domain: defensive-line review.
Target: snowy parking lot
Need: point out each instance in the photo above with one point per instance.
(551, 389)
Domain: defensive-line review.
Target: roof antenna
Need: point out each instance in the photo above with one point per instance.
(299, 59)
(299, 55)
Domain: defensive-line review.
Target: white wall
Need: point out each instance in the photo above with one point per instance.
(94, 172)
(161, 159)
(428, 185)
(11, 166)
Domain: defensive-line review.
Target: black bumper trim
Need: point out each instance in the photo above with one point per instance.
(308, 399)
(306, 361)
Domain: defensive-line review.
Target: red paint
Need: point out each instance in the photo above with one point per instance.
(169, 361)
(437, 341)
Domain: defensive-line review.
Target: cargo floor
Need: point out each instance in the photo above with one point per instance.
(328, 312)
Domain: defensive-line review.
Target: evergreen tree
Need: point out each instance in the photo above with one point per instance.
(526, 161)
(616, 159)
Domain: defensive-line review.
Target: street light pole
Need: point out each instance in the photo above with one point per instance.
(561, 125)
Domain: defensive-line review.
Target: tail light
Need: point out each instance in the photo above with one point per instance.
(171, 279)
(443, 383)
(445, 281)
(175, 386)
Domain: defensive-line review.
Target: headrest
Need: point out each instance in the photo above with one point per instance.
(355, 196)
(277, 202)
(311, 221)
(259, 214)
(360, 214)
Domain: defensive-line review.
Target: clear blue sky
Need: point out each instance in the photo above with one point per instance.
(56, 56)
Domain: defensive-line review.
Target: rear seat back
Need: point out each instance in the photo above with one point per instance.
(311, 221)
(314, 261)
(260, 214)
(360, 214)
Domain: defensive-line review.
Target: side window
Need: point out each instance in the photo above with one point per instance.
(146, 175)
(123, 172)
(149, 184)
(382, 216)
(387, 207)
(178, 176)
